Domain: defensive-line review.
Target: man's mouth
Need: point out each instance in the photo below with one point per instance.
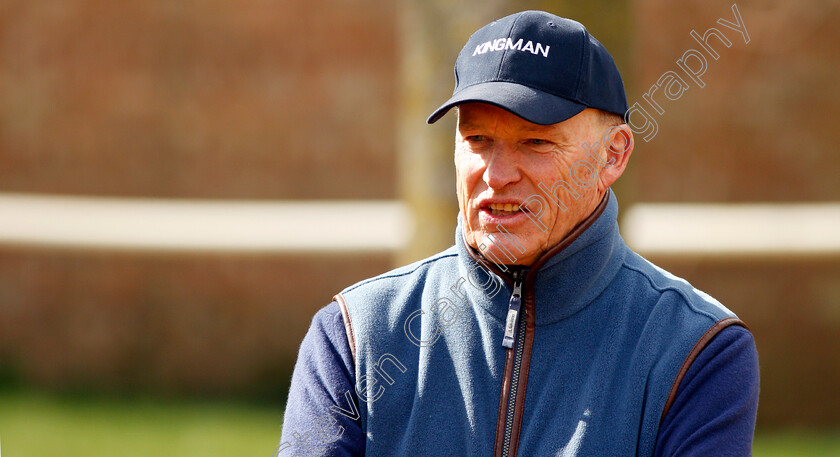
(506, 209)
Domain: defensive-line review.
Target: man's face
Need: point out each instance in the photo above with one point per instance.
(500, 159)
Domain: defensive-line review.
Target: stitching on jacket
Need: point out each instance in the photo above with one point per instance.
(663, 289)
(406, 273)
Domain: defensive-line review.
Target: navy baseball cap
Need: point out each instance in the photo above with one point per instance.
(541, 67)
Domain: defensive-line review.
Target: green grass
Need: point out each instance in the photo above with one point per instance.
(35, 424)
(42, 425)
(797, 443)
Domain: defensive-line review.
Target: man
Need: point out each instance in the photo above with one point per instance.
(539, 333)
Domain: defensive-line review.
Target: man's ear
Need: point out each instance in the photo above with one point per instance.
(618, 144)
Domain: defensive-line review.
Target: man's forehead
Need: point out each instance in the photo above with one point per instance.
(477, 115)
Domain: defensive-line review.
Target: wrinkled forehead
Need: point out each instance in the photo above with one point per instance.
(478, 116)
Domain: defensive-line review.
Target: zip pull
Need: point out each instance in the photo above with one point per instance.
(513, 312)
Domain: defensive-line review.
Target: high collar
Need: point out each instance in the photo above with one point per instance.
(562, 281)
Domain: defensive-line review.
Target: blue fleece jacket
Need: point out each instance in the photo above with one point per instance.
(610, 356)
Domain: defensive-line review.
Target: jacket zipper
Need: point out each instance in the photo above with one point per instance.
(514, 339)
(514, 308)
(516, 326)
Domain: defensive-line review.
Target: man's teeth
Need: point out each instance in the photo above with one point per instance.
(506, 209)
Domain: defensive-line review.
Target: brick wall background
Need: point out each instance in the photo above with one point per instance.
(252, 99)
(225, 100)
(761, 130)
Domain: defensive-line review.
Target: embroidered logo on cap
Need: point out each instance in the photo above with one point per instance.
(501, 44)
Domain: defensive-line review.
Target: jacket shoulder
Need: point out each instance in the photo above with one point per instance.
(379, 304)
(406, 274)
(676, 289)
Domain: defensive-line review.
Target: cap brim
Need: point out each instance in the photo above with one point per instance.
(530, 104)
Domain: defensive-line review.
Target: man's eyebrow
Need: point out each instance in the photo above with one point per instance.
(541, 129)
(468, 125)
(527, 128)
(537, 130)
(545, 131)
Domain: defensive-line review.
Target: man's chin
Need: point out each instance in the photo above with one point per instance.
(505, 248)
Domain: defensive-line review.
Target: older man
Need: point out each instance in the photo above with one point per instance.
(539, 333)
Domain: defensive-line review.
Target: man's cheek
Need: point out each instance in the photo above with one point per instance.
(536, 209)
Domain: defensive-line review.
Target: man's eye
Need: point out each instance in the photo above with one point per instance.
(476, 138)
(538, 141)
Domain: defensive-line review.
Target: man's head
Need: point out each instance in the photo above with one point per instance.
(540, 127)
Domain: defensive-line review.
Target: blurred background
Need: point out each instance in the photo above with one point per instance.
(183, 184)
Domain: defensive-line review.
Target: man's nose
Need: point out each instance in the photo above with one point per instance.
(502, 166)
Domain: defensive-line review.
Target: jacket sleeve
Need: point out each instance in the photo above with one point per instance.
(322, 414)
(715, 407)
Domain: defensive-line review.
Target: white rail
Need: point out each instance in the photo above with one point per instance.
(202, 225)
(751, 229)
(382, 226)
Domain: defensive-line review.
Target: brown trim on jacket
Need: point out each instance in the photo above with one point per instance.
(695, 351)
(348, 326)
(503, 403)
